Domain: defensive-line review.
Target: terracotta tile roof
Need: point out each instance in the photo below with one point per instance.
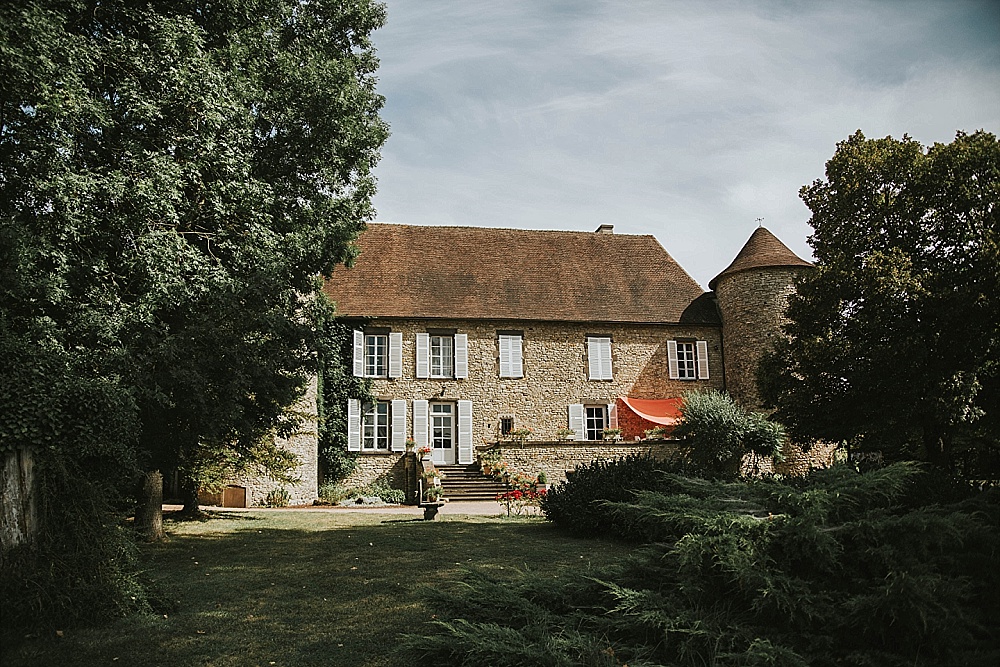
(763, 249)
(476, 272)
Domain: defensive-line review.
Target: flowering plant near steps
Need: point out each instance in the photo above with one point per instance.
(518, 500)
(433, 493)
(424, 451)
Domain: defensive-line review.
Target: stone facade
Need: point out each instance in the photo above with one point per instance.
(554, 368)
(752, 304)
(304, 444)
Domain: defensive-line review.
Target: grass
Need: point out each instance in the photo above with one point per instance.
(306, 588)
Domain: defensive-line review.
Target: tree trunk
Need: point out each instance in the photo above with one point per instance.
(18, 499)
(149, 512)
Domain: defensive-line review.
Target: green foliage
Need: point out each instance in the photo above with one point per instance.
(893, 338)
(335, 493)
(277, 497)
(174, 177)
(717, 433)
(82, 568)
(838, 568)
(576, 504)
(337, 385)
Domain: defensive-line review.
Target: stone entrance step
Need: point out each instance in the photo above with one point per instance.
(467, 482)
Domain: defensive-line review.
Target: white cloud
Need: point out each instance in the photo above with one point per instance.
(686, 120)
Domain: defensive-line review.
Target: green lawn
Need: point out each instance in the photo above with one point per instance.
(306, 588)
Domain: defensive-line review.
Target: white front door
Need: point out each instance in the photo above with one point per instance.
(442, 433)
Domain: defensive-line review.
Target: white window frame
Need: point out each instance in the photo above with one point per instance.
(376, 426)
(591, 415)
(376, 355)
(599, 358)
(687, 362)
(441, 354)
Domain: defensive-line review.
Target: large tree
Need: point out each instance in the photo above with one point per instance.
(894, 339)
(174, 177)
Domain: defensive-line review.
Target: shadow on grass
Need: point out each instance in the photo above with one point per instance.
(307, 589)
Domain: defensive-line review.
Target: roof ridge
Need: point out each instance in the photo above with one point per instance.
(509, 229)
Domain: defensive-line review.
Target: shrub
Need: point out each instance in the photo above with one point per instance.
(840, 568)
(576, 503)
(83, 566)
(277, 497)
(717, 433)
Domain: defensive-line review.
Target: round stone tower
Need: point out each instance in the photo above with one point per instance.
(752, 294)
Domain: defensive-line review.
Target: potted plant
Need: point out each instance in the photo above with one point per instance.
(612, 434)
(543, 481)
(489, 459)
(656, 433)
(521, 435)
(410, 444)
(424, 452)
(565, 434)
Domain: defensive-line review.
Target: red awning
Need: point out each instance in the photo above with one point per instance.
(665, 411)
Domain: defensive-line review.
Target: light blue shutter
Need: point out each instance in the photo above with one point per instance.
(465, 432)
(395, 354)
(672, 359)
(702, 360)
(359, 354)
(398, 425)
(353, 425)
(576, 421)
(420, 430)
(461, 356)
(423, 355)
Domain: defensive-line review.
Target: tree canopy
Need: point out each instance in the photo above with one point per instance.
(175, 175)
(894, 339)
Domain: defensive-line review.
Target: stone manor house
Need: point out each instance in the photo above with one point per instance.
(470, 334)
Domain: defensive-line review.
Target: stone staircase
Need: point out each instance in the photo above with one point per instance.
(467, 482)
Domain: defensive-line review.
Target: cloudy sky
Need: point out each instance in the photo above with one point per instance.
(684, 120)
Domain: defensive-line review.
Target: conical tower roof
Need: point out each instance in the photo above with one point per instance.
(762, 250)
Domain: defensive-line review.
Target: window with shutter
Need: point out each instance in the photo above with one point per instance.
(510, 356)
(687, 360)
(599, 358)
